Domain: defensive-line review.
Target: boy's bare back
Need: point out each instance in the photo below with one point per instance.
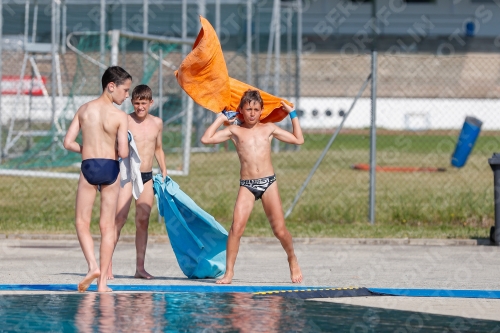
(146, 134)
(100, 123)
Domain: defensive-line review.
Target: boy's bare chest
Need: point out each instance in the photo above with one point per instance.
(254, 141)
(143, 133)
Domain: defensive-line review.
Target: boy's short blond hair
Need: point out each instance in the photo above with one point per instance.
(251, 96)
(142, 92)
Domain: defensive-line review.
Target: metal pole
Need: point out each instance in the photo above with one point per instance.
(58, 22)
(54, 59)
(373, 129)
(373, 138)
(270, 43)
(26, 21)
(160, 85)
(124, 28)
(288, 51)
(217, 17)
(202, 9)
(103, 36)
(325, 150)
(277, 55)
(299, 54)
(249, 42)
(115, 39)
(160, 96)
(64, 22)
(199, 110)
(187, 103)
(35, 23)
(257, 47)
(1, 108)
(145, 19)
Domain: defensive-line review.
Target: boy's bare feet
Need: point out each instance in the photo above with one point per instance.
(142, 274)
(226, 279)
(87, 280)
(106, 289)
(295, 272)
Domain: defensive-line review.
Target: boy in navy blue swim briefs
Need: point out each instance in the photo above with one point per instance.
(104, 139)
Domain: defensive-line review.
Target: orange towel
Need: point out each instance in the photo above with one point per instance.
(203, 76)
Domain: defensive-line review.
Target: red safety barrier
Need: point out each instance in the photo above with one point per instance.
(10, 85)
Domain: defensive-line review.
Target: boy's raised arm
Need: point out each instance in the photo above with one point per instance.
(70, 138)
(212, 136)
(159, 154)
(122, 137)
(296, 137)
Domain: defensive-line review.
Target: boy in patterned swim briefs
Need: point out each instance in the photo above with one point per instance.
(257, 180)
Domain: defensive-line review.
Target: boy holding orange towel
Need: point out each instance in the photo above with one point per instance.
(257, 179)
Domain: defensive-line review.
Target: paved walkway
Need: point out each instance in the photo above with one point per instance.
(262, 262)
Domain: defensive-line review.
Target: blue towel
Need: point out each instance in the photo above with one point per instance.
(198, 240)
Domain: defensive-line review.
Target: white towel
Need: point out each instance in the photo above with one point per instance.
(130, 169)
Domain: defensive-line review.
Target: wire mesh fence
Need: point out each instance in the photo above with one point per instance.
(422, 102)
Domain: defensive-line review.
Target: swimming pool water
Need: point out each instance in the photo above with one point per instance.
(211, 312)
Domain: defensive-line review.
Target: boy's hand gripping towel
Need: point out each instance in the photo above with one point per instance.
(198, 240)
(204, 77)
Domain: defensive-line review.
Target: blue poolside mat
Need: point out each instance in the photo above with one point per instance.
(269, 290)
(215, 288)
(198, 240)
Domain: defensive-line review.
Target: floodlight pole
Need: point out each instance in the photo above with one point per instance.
(373, 130)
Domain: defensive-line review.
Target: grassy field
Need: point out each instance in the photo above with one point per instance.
(457, 203)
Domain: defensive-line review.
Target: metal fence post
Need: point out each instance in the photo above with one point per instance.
(373, 128)
(145, 30)
(249, 42)
(1, 109)
(373, 138)
(102, 40)
(53, 70)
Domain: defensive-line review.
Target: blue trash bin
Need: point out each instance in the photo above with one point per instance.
(466, 141)
(470, 29)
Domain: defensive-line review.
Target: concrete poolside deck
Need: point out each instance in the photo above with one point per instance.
(448, 264)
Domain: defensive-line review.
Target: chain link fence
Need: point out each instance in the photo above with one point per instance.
(422, 101)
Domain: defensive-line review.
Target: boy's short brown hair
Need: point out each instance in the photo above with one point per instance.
(114, 74)
(251, 96)
(142, 92)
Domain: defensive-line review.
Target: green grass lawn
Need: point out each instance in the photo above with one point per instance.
(457, 203)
